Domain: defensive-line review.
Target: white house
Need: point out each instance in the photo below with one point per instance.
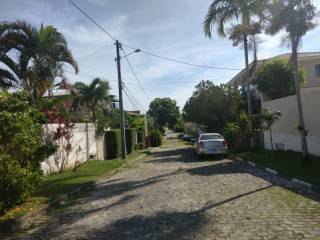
(284, 131)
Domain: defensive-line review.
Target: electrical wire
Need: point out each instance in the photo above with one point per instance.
(179, 61)
(130, 100)
(135, 75)
(92, 20)
(138, 103)
(144, 51)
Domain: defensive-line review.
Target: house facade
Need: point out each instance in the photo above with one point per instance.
(284, 132)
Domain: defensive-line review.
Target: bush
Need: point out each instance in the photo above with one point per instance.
(156, 138)
(113, 141)
(22, 149)
(141, 137)
(276, 79)
(131, 137)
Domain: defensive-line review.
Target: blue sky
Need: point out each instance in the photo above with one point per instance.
(168, 28)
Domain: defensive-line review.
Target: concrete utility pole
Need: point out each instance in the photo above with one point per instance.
(122, 123)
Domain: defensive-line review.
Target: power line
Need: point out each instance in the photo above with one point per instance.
(179, 61)
(135, 75)
(146, 52)
(131, 101)
(92, 20)
(134, 97)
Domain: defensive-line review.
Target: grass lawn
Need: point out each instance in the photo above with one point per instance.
(287, 163)
(56, 184)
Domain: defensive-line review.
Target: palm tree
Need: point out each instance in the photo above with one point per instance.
(236, 36)
(42, 53)
(93, 96)
(222, 12)
(296, 17)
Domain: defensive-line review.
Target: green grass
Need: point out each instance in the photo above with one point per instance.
(286, 163)
(56, 184)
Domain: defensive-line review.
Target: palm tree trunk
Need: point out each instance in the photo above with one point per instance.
(302, 130)
(247, 80)
(93, 114)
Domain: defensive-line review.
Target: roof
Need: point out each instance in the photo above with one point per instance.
(57, 93)
(301, 56)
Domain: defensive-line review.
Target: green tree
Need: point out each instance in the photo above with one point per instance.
(94, 96)
(42, 53)
(22, 148)
(164, 112)
(296, 18)
(275, 79)
(222, 12)
(213, 106)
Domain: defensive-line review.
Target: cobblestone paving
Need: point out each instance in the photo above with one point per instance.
(171, 195)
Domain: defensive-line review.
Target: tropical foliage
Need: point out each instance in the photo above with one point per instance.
(296, 18)
(213, 106)
(22, 148)
(222, 12)
(93, 96)
(275, 79)
(165, 113)
(40, 53)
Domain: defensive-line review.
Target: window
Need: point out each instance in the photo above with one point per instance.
(210, 137)
(317, 67)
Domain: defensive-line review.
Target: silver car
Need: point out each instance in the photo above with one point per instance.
(210, 144)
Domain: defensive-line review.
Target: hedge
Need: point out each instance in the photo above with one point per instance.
(113, 142)
(141, 139)
(156, 138)
(131, 134)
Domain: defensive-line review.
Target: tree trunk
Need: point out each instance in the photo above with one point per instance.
(93, 114)
(302, 129)
(247, 80)
(271, 140)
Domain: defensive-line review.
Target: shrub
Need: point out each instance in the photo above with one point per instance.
(113, 141)
(141, 138)
(276, 79)
(156, 138)
(22, 148)
(130, 139)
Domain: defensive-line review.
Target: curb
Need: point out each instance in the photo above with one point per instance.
(301, 184)
(18, 223)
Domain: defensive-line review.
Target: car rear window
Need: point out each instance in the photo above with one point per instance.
(210, 137)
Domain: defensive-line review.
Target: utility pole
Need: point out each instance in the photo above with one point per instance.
(122, 123)
(145, 130)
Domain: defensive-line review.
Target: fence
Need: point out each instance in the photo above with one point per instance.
(84, 146)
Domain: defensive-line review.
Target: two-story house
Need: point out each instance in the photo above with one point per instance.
(284, 132)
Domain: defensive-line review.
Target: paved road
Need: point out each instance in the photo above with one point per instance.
(170, 195)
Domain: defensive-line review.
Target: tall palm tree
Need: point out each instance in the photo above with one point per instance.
(296, 18)
(222, 12)
(236, 36)
(94, 95)
(41, 55)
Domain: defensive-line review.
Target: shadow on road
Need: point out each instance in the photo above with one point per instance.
(171, 225)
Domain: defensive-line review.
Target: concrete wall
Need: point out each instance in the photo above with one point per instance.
(85, 146)
(285, 130)
(309, 67)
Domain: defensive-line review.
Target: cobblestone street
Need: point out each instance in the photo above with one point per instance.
(172, 195)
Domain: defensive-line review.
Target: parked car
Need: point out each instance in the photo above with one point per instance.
(210, 144)
(186, 137)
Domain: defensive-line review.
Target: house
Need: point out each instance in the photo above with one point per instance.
(284, 132)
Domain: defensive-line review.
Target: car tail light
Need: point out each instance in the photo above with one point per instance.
(225, 143)
(201, 144)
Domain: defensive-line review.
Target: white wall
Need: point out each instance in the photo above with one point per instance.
(292, 142)
(285, 129)
(83, 146)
